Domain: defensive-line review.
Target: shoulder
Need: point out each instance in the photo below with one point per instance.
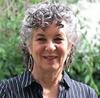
(78, 89)
(13, 87)
(8, 86)
(2, 89)
(84, 90)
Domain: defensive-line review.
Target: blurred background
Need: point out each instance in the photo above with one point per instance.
(86, 64)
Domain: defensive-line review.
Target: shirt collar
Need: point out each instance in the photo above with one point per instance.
(26, 79)
(66, 80)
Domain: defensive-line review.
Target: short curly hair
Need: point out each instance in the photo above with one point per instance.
(40, 16)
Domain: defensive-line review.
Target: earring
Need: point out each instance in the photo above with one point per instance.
(69, 59)
(30, 63)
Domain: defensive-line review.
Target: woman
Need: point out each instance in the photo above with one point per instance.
(49, 35)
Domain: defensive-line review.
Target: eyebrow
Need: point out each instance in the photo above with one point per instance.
(58, 34)
(40, 35)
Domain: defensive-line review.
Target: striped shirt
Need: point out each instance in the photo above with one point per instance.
(24, 86)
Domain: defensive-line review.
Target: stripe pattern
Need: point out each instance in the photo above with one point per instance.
(24, 86)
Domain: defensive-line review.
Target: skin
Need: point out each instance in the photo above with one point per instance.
(49, 49)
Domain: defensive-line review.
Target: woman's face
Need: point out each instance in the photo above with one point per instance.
(49, 48)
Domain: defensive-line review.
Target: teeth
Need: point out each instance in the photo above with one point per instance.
(50, 57)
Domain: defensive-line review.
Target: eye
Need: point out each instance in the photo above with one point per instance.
(58, 40)
(41, 39)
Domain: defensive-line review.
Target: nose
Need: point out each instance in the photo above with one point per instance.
(50, 46)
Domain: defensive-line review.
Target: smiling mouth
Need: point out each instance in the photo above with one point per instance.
(50, 57)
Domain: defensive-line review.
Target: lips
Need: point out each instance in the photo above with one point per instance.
(50, 57)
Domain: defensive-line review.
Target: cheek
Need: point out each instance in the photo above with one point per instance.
(62, 50)
(37, 51)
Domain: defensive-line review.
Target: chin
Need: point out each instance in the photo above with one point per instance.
(53, 68)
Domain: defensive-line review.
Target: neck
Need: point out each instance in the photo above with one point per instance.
(47, 79)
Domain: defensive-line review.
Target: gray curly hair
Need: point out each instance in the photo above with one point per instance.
(40, 16)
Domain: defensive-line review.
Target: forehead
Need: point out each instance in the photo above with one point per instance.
(53, 29)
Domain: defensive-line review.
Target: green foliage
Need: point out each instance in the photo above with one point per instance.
(35, 1)
(86, 66)
(72, 1)
(10, 54)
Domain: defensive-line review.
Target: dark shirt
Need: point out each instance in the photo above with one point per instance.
(24, 86)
